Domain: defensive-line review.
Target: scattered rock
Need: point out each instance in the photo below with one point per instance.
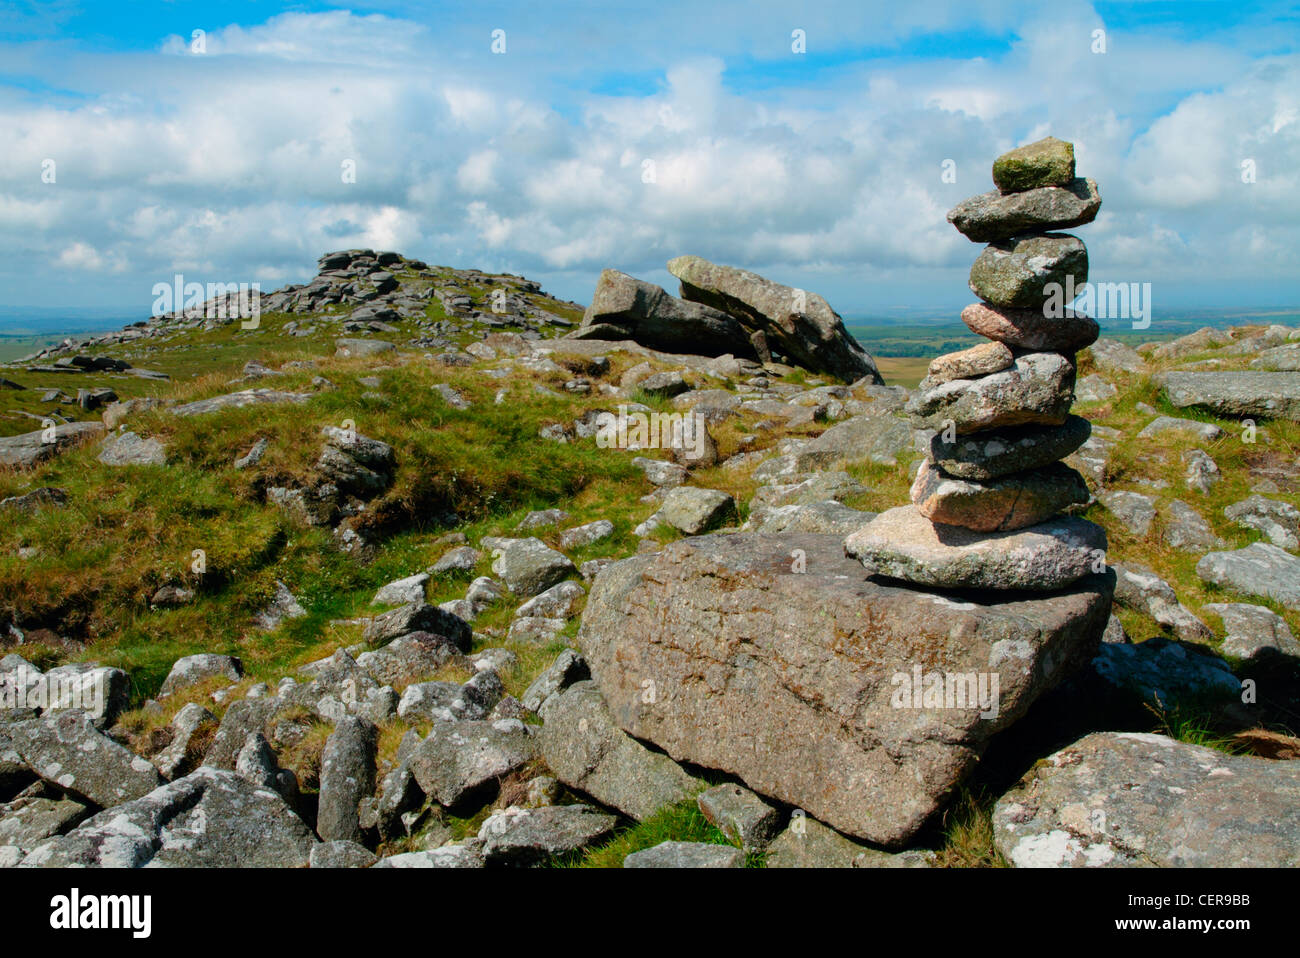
(1259, 569)
(585, 749)
(526, 836)
(686, 855)
(1125, 799)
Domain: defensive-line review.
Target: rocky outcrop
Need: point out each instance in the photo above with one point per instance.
(623, 307)
(721, 653)
(797, 323)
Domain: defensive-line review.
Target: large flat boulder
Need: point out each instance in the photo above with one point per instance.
(795, 322)
(716, 650)
(1270, 395)
(1136, 799)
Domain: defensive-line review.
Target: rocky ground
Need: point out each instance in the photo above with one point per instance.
(364, 586)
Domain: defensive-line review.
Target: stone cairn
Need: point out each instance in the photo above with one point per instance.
(987, 500)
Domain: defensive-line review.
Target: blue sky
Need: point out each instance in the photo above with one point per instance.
(821, 169)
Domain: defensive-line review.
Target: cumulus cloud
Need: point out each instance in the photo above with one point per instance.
(234, 163)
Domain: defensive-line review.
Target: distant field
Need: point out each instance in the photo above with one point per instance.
(902, 370)
(15, 347)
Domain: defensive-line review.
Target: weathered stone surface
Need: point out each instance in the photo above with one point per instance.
(406, 591)
(1037, 389)
(466, 855)
(457, 759)
(192, 669)
(999, 452)
(362, 347)
(45, 496)
(1092, 388)
(1137, 799)
(1253, 629)
(29, 448)
(27, 822)
(795, 322)
(190, 729)
(459, 559)
(998, 215)
(1187, 530)
(1016, 272)
(789, 681)
(1112, 356)
(1031, 329)
(1140, 589)
(1259, 569)
(66, 749)
(902, 544)
(664, 385)
(686, 855)
(741, 815)
(827, 517)
(693, 510)
(1134, 510)
(347, 776)
(807, 843)
(585, 535)
(128, 449)
(586, 750)
(1242, 394)
(1279, 359)
(977, 361)
(409, 658)
(877, 439)
(530, 566)
(238, 400)
(997, 505)
(1045, 162)
(419, 617)
(1279, 521)
(623, 307)
(526, 836)
(1163, 424)
(1202, 471)
(449, 702)
(1166, 675)
(341, 855)
(568, 669)
(210, 819)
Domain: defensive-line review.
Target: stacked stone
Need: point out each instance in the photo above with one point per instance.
(987, 500)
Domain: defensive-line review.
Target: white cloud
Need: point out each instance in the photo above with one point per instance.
(230, 162)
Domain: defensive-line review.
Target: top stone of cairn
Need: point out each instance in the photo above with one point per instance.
(1047, 162)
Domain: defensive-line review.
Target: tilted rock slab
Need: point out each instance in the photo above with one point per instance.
(788, 680)
(623, 307)
(1136, 799)
(796, 322)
